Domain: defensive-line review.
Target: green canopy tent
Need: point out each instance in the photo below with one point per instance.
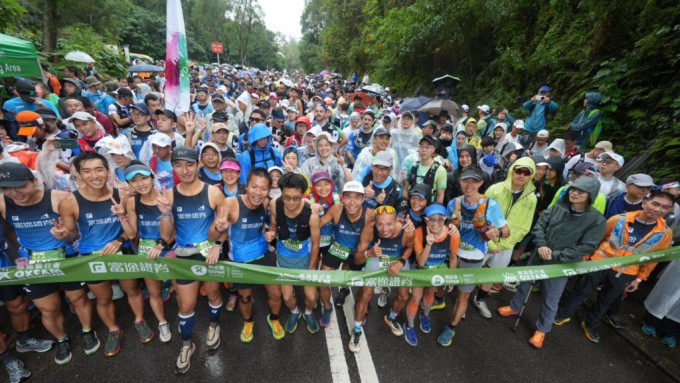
(18, 58)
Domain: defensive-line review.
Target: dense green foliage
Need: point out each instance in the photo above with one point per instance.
(504, 50)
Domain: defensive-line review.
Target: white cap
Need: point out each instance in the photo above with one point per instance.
(82, 116)
(501, 125)
(353, 186)
(121, 147)
(543, 133)
(484, 108)
(465, 107)
(160, 139)
(616, 157)
(275, 168)
(519, 124)
(315, 131)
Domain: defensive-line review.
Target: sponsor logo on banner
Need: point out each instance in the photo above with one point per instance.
(287, 277)
(569, 272)
(438, 280)
(509, 278)
(199, 270)
(644, 259)
(97, 267)
(357, 281)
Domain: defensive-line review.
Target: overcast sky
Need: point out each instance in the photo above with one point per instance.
(283, 16)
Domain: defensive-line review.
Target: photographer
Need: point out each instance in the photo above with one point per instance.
(539, 106)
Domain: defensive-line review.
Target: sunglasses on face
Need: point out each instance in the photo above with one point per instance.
(523, 171)
(255, 119)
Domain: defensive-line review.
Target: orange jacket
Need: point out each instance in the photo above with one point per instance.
(615, 242)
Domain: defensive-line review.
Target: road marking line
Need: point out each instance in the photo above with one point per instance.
(367, 371)
(336, 351)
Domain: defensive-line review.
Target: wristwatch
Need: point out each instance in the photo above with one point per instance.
(120, 239)
(218, 243)
(403, 261)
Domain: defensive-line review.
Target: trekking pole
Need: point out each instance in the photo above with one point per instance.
(514, 328)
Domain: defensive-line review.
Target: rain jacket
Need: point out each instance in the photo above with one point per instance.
(615, 243)
(473, 140)
(538, 115)
(570, 236)
(585, 122)
(520, 214)
(404, 142)
(664, 299)
(62, 101)
(243, 116)
(264, 157)
(332, 166)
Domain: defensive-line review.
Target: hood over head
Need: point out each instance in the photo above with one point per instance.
(472, 151)
(593, 99)
(258, 132)
(76, 83)
(522, 162)
(587, 184)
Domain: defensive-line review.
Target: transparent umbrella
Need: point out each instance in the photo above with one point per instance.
(79, 56)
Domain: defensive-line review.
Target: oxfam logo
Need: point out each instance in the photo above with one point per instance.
(199, 270)
(437, 280)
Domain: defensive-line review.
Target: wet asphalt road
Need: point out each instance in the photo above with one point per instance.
(482, 351)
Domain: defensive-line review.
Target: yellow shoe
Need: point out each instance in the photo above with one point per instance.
(247, 332)
(277, 329)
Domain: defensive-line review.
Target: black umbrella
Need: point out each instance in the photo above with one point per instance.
(413, 103)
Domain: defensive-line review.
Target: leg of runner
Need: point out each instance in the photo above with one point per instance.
(107, 313)
(398, 305)
(20, 318)
(428, 299)
(187, 294)
(411, 312)
(364, 296)
(274, 294)
(136, 302)
(245, 304)
(83, 309)
(310, 301)
(459, 309)
(325, 294)
(289, 300)
(50, 311)
(15, 367)
(156, 302)
(215, 303)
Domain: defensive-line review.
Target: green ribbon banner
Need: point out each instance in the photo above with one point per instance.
(95, 268)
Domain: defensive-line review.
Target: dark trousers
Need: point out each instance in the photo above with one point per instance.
(665, 326)
(610, 292)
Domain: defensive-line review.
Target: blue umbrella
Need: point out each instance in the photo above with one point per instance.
(413, 103)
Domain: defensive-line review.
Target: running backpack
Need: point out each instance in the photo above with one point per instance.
(428, 179)
(253, 162)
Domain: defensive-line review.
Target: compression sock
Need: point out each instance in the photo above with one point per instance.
(186, 326)
(411, 311)
(427, 305)
(215, 312)
(358, 327)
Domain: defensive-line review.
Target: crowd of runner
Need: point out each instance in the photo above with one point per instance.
(311, 172)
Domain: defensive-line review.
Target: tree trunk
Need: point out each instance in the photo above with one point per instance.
(50, 17)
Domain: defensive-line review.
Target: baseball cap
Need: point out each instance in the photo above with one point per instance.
(169, 113)
(539, 160)
(14, 175)
(219, 117)
(503, 125)
(353, 187)
(120, 146)
(383, 158)
(46, 113)
(223, 89)
(544, 88)
(542, 133)
(616, 157)
(29, 122)
(202, 89)
(381, 131)
(386, 118)
(585, 167)
(132, 171)
(519, 124)
(25, 87)
(473, 171)
(160, 139)
(232, 165)
(641, 180)
(465, 107)
(272, 168)
(124, 93)
(92, 81)
(184, 153)
(484, 108)
(82, 116)
(292, 108)
(217, 97)
(218, 126)
(447, 128)
(434, 209)
(214, 146)
(112, 87)
(314, 131)
(277, 114)
(606, 146)
(264, 104)
(422, 190)
(430, 140)
(321, 175)
(140, 106)
(303, 120)
(430, 123)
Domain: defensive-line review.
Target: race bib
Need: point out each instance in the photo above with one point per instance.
(204, 247)
(466, 246)
(339, 251)
(442, 265)
(47, 255)
(292, 244)
(145, 246)
(326, 240)
(99, 252)
(385, 262)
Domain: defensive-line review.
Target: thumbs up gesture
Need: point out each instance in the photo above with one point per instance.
(381, 197)
(368, 191)
(377, 251)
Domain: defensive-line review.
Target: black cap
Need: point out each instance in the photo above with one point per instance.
(423, 190)
(448, 127)
(24, 86)
(14, 175)
(184, 153)
(219, 117)
(430, 140)
(473, 171)
(124, 92)
(264, 104)
(218, 97)
(169, 113)
(46, 113)
(387, 118)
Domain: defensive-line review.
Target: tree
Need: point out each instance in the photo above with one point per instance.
(144, 32)
(245, 13)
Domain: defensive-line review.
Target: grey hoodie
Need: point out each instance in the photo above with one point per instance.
(570, 235)
(62, 101)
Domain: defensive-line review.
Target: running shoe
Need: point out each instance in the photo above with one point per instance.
(231, 302)
(669, 341)
(536, 340)
(277, 329)
(382, 298)
(615, 321)
(63, 352)
(312, 323)
(292, 322)
(90, 342)
(33, 344)
(560, 321)
(117, 292)
(247, 332)
(184, 359)
(394, 326)
(410, 335)
(482, 307)
(112, 345)
(649, 330)
(354, 344)
(439, 303)
(592, 334)
(16, 371)
(340, 298)
(326, 317)
(144, 331)
(164, 333)
(425, 325)
(446, 337)
(213, 338)
(506, 311)
(166, 292)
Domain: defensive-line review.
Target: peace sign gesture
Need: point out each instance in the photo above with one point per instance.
(58, 230)
(162, 202)
(117, 208)
(221, 222)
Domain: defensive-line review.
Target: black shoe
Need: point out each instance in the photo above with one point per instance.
(340, 298)
(615, 321)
